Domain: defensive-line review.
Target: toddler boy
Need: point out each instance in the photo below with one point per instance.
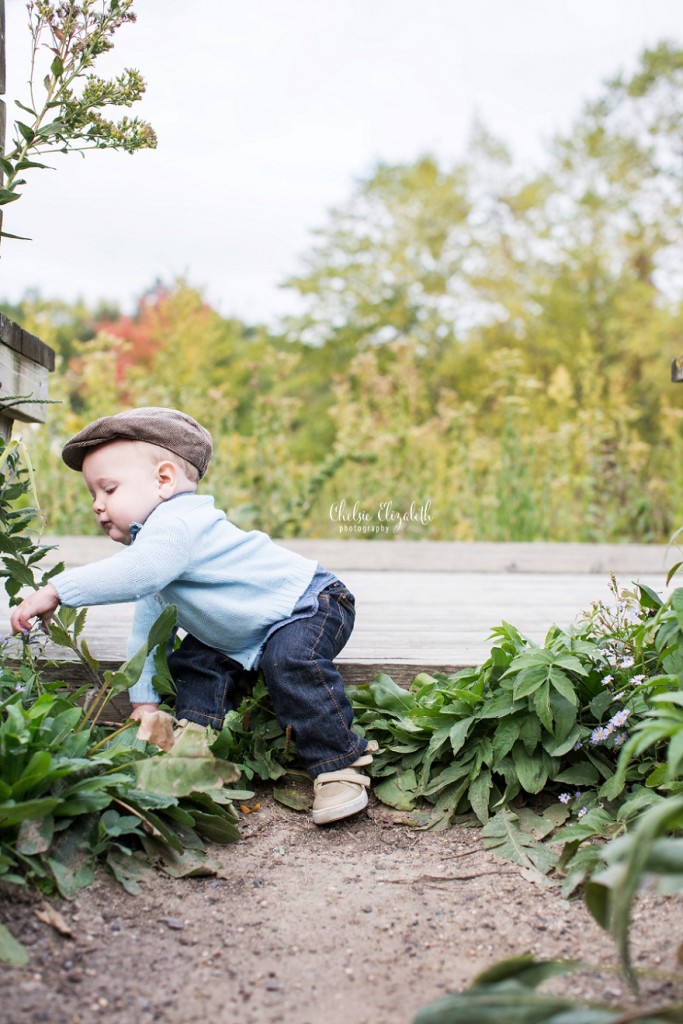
(246, 603)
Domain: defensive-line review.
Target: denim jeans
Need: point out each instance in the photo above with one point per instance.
(305, 687)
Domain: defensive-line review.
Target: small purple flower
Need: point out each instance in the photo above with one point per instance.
(584, 810)
(627, 661)
(607, 680)
(577, 794)
(618, 719)
(599, 735)
(638, 679)
(564, 798)
(618, 696)
(619, 739)
(577, 745)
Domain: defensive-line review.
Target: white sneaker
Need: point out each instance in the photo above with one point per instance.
(340, 794)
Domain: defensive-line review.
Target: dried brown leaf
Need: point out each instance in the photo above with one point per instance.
(50, 915)
(157, 727)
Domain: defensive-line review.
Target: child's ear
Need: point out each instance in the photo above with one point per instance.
(167, 474)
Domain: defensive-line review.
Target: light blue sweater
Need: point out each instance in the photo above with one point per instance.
(230, 587)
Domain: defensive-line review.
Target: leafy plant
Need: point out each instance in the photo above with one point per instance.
(65, 109)
(507, 994)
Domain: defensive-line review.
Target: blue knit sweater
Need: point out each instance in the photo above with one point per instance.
(230, 586)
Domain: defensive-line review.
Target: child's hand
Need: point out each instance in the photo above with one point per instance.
(42, 604)
(139, 710)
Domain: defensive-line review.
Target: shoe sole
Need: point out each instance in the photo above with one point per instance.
(328, 814)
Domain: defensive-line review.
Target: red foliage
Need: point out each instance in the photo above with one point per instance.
(143, 333)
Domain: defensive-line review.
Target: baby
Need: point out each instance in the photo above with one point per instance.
(245, 603)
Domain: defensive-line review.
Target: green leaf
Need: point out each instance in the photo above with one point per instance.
(294, 798)
(19, 571)
(215, 828)
(399, 791)
(676, 602)
(8, 234)
(532, 770)
(600, 703)
(507, 732)
(29, 110)
(27, 133)
(542, 706)
(529, 680)
(128, 870)
(478, 795)
(35, 835)
(12, 813)
(458, 734)
(648, 598)
(503, 836)
(11, 951)
(580, 774)
(563, 685)
(526, 970)
(596, 822)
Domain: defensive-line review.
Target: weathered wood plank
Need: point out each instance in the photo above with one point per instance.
(407, 621)
(440, 556)
(420, 619)
(25, 343)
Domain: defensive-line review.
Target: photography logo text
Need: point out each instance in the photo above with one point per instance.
(353, 517)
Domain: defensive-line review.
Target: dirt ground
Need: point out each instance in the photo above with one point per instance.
(363, 921)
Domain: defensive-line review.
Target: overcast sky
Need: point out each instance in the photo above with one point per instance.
(267, 111)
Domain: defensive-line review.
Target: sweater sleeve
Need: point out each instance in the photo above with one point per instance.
(157, 557)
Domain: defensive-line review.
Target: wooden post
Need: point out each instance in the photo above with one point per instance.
(25, 364)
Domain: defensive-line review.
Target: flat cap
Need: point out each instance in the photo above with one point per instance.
(168, 428)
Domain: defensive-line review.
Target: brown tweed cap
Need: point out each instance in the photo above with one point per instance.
(169, 428)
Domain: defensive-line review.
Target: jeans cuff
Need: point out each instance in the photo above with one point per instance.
(334, 764)
(200, 717)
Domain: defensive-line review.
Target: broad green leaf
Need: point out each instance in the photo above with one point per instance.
(542, 825)
(216, 828)
(600, 703)
(530, 732)
(458, 734)
(580, 774)
(507, 732)
(596, 822)
(11, 950)
(179, 864)
(35, 835)
(400, 791)
(478, 795)
(526, 970)
(532, 770)
(557, 749)
(503, 836)
(563, 685)
(128, 870)
(648, 597)
(12, 813)
(294, 798)
(528, 681)
(542, 706)
(179, 776)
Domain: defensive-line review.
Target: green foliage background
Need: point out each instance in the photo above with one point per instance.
(492, 340)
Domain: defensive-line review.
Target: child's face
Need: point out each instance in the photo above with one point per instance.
(125, 487)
